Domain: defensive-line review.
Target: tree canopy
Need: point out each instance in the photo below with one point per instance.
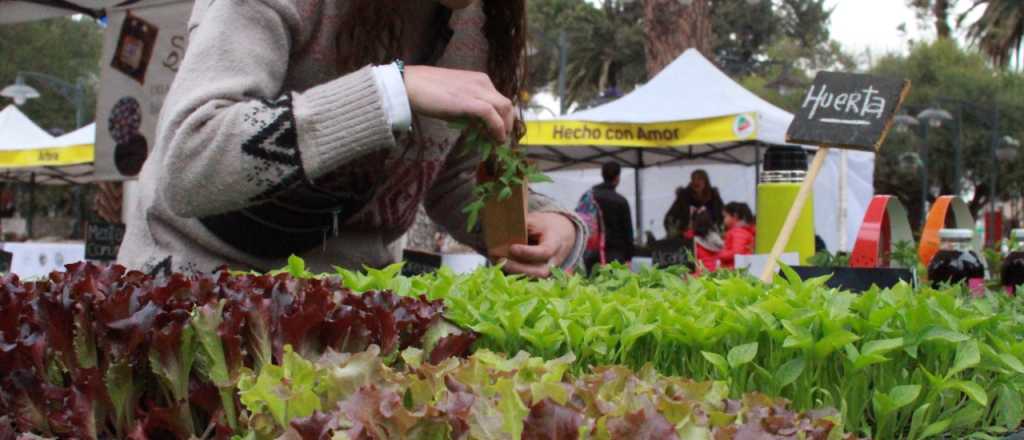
(961, 81)
(66, 48)
(606, 43)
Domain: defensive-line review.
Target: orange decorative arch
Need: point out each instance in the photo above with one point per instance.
(937, 217)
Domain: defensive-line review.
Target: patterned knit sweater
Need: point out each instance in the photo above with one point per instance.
(264, 149)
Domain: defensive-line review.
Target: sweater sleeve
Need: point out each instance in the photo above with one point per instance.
(232, 135)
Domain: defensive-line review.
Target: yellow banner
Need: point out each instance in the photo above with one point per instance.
(672, 134)
(43, 157)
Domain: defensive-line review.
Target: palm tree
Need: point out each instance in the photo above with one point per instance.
(999, 30)
(670, 28)
(604, 46)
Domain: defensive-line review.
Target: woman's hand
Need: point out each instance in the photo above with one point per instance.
(553, 236)
(451, 94)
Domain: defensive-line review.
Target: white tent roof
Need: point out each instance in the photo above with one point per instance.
(18, 132)
(691, 88)
(83, 136)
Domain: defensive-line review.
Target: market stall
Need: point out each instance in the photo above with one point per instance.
(688, 116)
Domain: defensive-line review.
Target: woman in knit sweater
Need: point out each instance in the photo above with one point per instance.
(291, 129)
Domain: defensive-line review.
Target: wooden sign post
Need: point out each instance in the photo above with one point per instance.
(841, 110)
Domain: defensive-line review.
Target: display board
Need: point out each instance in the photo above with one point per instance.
(142, 50)
(840, 110)
(103, 240)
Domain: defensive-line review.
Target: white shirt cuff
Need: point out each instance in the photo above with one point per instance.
(396, 102)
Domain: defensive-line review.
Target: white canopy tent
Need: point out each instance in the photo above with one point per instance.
(706, 108)
(18, 132)
(74, 151)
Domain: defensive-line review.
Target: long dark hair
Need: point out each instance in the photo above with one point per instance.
(741, 211)
(702, 223)
(372, 33)
(706, 194)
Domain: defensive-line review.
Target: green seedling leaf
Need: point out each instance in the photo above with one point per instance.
(296, 266)
(790, 371)
(936, 428)
(1012, 362)
(287, 392)
(968, 355)
(718, 361)
(904, 395)
(882, 346)
(742, 354)
(971, 389)
(833, 342)
(946, 335)
(1009, 407)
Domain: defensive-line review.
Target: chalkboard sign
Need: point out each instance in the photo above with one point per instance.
(419, 263)
(670, 252)
(856, 279)
(845, 110)
(103, 241)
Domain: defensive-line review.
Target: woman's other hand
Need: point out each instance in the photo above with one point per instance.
(552, 236)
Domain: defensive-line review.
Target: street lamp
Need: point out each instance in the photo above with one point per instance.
(935, 116)
(1008, 149)
(905, 123)
(19, 91)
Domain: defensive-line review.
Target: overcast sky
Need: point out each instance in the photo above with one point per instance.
(874, 24)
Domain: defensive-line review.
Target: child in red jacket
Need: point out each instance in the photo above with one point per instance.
(707, 242)
(739, 234)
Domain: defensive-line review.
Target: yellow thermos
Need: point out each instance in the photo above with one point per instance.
(785, 168)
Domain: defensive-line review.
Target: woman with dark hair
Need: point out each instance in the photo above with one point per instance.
(698, 195)
(707, 242)
(316, 128)
(739, 234)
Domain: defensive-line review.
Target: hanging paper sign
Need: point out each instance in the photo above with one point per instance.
(885, 224)
(845, 110)
(944, 210)
(142, 50)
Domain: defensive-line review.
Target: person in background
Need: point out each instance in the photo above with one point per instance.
(707, 242)
(739, 234)
(698, 195)
(615, 218)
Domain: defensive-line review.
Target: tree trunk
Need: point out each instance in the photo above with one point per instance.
(940, 9)
(670, 29)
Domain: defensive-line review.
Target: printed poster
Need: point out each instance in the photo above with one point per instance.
(142, 50)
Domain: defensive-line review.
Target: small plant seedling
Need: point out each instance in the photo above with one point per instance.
(506, 167)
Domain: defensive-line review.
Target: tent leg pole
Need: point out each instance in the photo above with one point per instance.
(757, 171)
(639, 194)
(31, 205)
